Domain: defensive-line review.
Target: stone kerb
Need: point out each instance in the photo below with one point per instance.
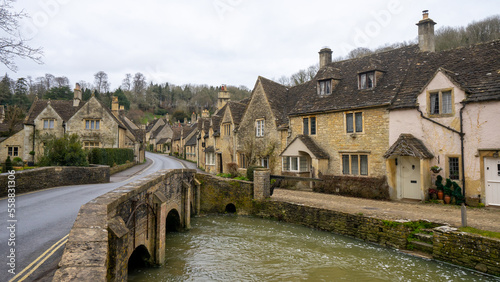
(89, 254)
(262, 183)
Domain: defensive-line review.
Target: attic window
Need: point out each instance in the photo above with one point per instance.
(366, 80)
(325, 87)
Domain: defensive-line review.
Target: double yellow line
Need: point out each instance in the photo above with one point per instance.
(40, 260)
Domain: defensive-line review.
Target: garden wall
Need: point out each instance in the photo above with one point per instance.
(361, 187)
(53, 176)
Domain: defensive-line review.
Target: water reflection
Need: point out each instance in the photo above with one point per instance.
(235, 248)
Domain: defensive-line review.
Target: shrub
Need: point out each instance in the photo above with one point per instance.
(250, 172)
(8, 164)
(64, 151)
(232, 168)
(17, 161)
(111, 156)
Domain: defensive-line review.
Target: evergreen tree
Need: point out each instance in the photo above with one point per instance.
(59, 93)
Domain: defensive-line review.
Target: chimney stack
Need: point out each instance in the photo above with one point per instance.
(77, 98)
(426, 40)
(115, 105)
(325, 57)
(223, 97)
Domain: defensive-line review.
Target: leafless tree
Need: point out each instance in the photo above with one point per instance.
(12, 44)
(101, 82)
(139, 84)
(61, 81)
(359, 52)
(126, 83)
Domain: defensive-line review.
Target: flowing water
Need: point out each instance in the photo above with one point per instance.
(236, 248)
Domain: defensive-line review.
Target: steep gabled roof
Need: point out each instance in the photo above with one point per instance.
(237, 110)
(392, 67)
(191, 141)
(64, 108)
(475, 69)
(309, 143)
(278, 98)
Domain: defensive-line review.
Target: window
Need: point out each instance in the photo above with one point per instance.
(309, 125)
(354, 164)
(367, 80)
(210, 158)
(90, 144)
(354, 122)
(227, 129)
(13, 151)
(264, 162)
(259, 128)
(48, 123)
(440, 103)
(92, 124)
(454, 168)
(325, 87)
(243, 163)
(296, 164)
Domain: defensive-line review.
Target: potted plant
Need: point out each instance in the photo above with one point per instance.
(436, 169)
(433, 194)
(439, 187)
(447, 191)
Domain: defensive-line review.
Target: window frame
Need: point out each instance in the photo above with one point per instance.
(440, 101)
(362, 160)
(324, 87)
(260, 124)
(50, 123)
(458, 167)
(310, 127)
(287, 161)
(242, 160)
(355, 127)
(227, 129)
(210, 158)
(363, 84)
(13, 151)
(92, 124)
(88, 145)
(264, 161)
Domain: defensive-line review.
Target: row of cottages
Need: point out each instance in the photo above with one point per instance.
(159, 135)
(95, 124)
(389, 116)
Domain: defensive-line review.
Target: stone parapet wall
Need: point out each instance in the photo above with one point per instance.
(217, 192)
(54, 176)
(469, 250)
(354, 186)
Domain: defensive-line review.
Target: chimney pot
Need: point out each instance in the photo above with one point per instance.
(325, 57)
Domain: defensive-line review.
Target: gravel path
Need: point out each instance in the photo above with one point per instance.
(481, 218)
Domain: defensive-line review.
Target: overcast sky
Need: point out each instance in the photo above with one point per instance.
(217, 41)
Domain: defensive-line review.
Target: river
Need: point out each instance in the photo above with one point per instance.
(238, 248)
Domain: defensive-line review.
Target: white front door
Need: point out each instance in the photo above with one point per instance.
(409, 177)
(492, 181)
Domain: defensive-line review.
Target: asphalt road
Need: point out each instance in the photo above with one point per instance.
(45, 217)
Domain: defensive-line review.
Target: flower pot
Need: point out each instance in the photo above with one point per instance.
(447, 199)
(440, 195)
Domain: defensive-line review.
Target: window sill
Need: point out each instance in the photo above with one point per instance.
(441, 115)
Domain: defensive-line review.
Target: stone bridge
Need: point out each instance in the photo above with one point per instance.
(128, 225)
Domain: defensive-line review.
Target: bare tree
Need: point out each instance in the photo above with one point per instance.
(61, 81)
(101, 82)
(126, 83)
(359, 52)
(12, 44)
(139, 84)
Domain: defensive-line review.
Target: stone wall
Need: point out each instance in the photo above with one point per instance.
(469, 250)
(47, 177)
(358, 226)
(109, 228)
(362, 187)
(217, 192)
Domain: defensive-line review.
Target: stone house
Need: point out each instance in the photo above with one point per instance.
(264, 125)
(96, 125)
(445, 115)
(159, 135)
(231, 118)
(11, 140)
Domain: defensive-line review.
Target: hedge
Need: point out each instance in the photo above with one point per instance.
(110, 156)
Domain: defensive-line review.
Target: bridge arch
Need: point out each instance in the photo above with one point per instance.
(173, 221)
(139, 258)
(230, 208)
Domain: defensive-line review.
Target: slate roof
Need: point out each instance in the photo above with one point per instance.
(63, 108)
(151, 125)
(279, 99)
(311, 145)
(408, 145)
(216, 125)
(393, 65)
(237, 110)
(162, 141)
(191, 141)
(475, 69)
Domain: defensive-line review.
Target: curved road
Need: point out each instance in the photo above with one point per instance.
(45, 217)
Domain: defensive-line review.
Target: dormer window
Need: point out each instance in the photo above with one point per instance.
(366, 80)
(325, 87)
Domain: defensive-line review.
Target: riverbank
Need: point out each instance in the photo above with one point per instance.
(481, 218)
